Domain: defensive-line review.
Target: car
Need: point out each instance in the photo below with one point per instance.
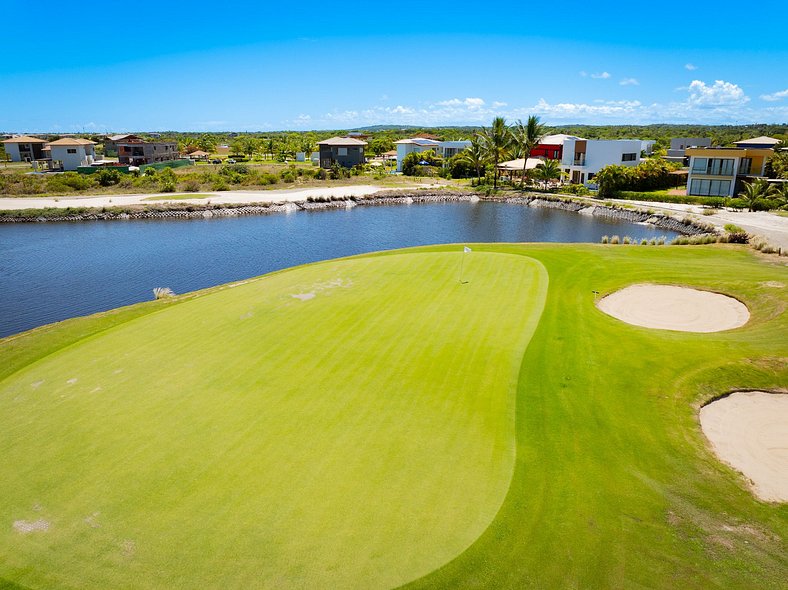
(216, 161)
(229, 161)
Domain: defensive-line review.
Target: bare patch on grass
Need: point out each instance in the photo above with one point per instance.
(24, 527)
(303, 296)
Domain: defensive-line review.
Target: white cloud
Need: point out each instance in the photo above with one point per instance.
(602, 76)
(775, 96)
(718, 94)
(691, 67)
(498, 104)
(469, 102)
(629, 82)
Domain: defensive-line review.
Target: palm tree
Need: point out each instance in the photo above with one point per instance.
(474, 155)
(756, 190)
(497, 139)
(549, 170)
(528, 137)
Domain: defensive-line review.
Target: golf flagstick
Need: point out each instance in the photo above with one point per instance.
(465, 250)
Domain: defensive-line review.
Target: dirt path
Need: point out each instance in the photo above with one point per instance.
(224, 198)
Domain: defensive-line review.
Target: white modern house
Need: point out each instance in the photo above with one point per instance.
(583, 158)
(445, 149)
(72, 152)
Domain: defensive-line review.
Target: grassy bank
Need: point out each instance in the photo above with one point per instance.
(373, 421)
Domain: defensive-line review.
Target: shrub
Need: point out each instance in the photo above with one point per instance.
(191, 186)
(220, 185)
(108, 177)
(615, 240)
(576, 189)
(605, 239)
(288, 177)
(644, 242)
(627, 240)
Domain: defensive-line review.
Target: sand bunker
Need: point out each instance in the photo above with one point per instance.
(666, 307)
(749, 431)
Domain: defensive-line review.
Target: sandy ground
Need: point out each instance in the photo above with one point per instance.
(772, 228)
(229, 197)
(749, 431)
(666, 307)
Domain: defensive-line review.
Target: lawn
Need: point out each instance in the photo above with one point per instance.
(373, 422)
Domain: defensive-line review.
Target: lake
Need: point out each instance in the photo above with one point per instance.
(53, 271)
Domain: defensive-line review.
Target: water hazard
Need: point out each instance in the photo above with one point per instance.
(53, 271)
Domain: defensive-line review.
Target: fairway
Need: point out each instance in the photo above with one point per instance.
(343, 425)
(374, 422)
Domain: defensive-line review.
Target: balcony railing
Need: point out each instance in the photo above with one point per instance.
(579, 162)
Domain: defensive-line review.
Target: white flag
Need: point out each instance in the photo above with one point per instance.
(466, 249)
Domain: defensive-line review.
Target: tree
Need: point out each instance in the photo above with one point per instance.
(547, 171)
(475, 155)
(381, 145)
(755, 191)
(412, 163)
(497, 140)
(245, 144)
(527, 137)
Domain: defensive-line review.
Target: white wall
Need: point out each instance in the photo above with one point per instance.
(601, 153)
(72, 161)
(12, 149)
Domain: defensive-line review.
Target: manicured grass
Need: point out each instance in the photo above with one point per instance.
(366, 437)
(248, 437)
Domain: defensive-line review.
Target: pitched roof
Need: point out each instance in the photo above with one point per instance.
(72, 141)
(199, 153)
(762, 140)
(518, 164)
(342, 141)
(24, 139)
(120, 137)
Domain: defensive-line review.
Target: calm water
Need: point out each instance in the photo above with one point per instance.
(50, 272)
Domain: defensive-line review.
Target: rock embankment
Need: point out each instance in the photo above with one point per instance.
(191, 211)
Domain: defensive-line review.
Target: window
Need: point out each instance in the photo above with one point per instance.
(710, 188)
(745, 165)
(699, 165)
(71, 150)
(342, 151)
(628, 157)
(591, 175)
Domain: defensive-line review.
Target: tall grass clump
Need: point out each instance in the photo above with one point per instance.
(605, 240)
(615, 240)
(162, 292)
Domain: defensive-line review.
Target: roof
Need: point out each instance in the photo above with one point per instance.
(762, 140)
(24, 139)
(557, 139)
(72, 141)
(120, 137)
(418, 141)
(342, 141)
(199, 153)
(518, 164)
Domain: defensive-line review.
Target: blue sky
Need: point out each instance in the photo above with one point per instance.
(217, 66)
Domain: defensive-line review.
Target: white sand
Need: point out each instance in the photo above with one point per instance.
(666, 307)
(749, 431)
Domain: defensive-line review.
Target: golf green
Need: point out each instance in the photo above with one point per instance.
(375, 422)
(347, 424)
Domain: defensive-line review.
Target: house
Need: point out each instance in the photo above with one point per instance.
(345, 151)
(111, 142)
(445, 149)
(583, 158)
(762, 142)
(552, 146)
(24, 148)
(71, 152)
(719, 172)
(136, 152)
(679, 145)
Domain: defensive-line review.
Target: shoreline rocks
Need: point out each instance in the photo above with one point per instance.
(685, 227)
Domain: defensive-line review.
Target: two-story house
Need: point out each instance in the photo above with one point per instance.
(583, 158)
(719, 172)
(345, 151)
